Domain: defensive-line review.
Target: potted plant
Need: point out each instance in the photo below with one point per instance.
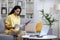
(49, 19)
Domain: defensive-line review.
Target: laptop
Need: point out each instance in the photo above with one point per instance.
(43, 32)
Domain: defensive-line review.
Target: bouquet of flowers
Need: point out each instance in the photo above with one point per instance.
(48, 18)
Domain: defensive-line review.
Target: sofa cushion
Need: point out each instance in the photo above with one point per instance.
(31, 27)
(6, 37)
(2, 26)
(39, 26)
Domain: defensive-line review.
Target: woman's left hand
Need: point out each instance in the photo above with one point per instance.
(27, 23)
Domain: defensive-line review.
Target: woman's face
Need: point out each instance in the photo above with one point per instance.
(17, 11)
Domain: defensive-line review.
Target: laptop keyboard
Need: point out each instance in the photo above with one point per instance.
(35, 36)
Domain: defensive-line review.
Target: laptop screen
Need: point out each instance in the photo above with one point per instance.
(44, 30)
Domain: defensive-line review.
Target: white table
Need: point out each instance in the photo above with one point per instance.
(47, 37)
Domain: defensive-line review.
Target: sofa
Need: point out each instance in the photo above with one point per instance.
(28, 28)
(2, 29)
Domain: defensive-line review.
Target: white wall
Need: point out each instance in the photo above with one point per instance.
(36, 11)
(0, 8)
(39, 5)
(48, 7)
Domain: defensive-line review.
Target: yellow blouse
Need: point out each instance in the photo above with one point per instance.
(11, 21)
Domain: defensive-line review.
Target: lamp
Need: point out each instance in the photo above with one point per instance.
(57, 7)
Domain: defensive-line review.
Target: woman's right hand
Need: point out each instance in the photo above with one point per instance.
(9, 27)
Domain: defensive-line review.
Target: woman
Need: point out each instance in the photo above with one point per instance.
(12, 20)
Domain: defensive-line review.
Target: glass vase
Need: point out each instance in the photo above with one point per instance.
(50, 30)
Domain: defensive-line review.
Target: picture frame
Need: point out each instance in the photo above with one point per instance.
(4, 11)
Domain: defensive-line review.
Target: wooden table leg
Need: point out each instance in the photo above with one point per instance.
(25, 39)
(50, 39)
